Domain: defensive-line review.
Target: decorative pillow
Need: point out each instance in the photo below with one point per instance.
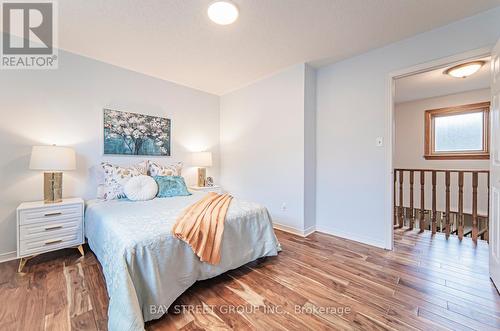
(115, 177)
(101, 191)
(140, 188)
(171, 186)
(156, 169)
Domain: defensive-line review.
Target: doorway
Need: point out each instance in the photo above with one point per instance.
(441, 150)
(409, 79)
(443, 183)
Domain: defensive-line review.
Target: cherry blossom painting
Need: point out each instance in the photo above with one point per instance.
(135, 134)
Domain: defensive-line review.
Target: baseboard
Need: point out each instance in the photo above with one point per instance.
(333, 232)
(309, 230)
(353, 237)
(292, 230)
(4, 257)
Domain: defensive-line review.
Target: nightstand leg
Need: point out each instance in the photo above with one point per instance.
(80, 249)
(22, 263)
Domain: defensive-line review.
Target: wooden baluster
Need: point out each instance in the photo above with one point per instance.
(401, 210)
(395, 209)
(412, 212)
(460, 205)
(474, 206)
(422, 201)
(433, 213)
(447, 216)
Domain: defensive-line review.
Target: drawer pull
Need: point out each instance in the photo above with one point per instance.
(54, 228)
(53, 242)
(53, 214)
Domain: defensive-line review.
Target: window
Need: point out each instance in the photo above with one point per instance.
(460, 132)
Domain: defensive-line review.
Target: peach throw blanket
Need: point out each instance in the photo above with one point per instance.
(201, 226)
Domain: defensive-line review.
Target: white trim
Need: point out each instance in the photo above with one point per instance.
(389, 150)
(441, 62)
(293, 230)
(309, 230)
(389, 117)
(9, 256)
(353, 237)
(336, 233)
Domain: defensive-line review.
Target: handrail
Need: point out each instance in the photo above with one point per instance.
(444, 170)
(399, 178)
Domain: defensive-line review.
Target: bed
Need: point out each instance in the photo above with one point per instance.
(146, 268)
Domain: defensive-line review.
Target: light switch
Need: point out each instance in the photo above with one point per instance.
(379, 142)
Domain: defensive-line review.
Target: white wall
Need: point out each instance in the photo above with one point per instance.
(409, 131)
(309, 150)
(262, 144)
(352, 173)
(409, 150)
(64, 107)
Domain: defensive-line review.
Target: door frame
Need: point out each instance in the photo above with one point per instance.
(390, 123)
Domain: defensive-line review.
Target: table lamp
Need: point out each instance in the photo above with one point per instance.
(202, 160)
(52, 160)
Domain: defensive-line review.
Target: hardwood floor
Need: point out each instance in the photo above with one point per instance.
(317, 283)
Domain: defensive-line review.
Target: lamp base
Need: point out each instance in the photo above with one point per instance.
(202, 177)
(52, 187)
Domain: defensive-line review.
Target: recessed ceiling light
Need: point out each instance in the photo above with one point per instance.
(465, 69)
(223, 12)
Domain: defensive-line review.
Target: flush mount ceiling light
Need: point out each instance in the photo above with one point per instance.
(223, 12)
(465, 69)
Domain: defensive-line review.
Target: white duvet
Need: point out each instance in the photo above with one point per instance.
(146, 267)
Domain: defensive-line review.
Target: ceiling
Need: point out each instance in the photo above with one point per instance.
(174, 39)
(434, 83)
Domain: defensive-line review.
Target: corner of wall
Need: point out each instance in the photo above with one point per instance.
(309, 147)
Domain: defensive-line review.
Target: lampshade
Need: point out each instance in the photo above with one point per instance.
(202, 159)
(52, 158)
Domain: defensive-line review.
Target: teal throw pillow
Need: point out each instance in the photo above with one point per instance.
(171, 186)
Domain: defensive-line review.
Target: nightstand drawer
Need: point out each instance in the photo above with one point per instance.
(49, 214)
(40, 245)
(49, 229)
(43, 228)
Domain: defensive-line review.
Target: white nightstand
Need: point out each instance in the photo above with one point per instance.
(215, 188)
(43, 227)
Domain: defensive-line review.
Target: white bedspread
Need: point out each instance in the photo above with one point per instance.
(145, 265)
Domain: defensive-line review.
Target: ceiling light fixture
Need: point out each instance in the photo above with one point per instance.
(465, 69)
(223, 12)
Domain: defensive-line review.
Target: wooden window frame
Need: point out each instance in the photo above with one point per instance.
(429, 148)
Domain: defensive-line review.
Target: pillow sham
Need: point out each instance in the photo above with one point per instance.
(115, 177)
(156, 169)
(171, 186)
(140, 188)
(101, 191)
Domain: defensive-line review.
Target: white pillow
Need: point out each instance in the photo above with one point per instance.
(140, 188)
